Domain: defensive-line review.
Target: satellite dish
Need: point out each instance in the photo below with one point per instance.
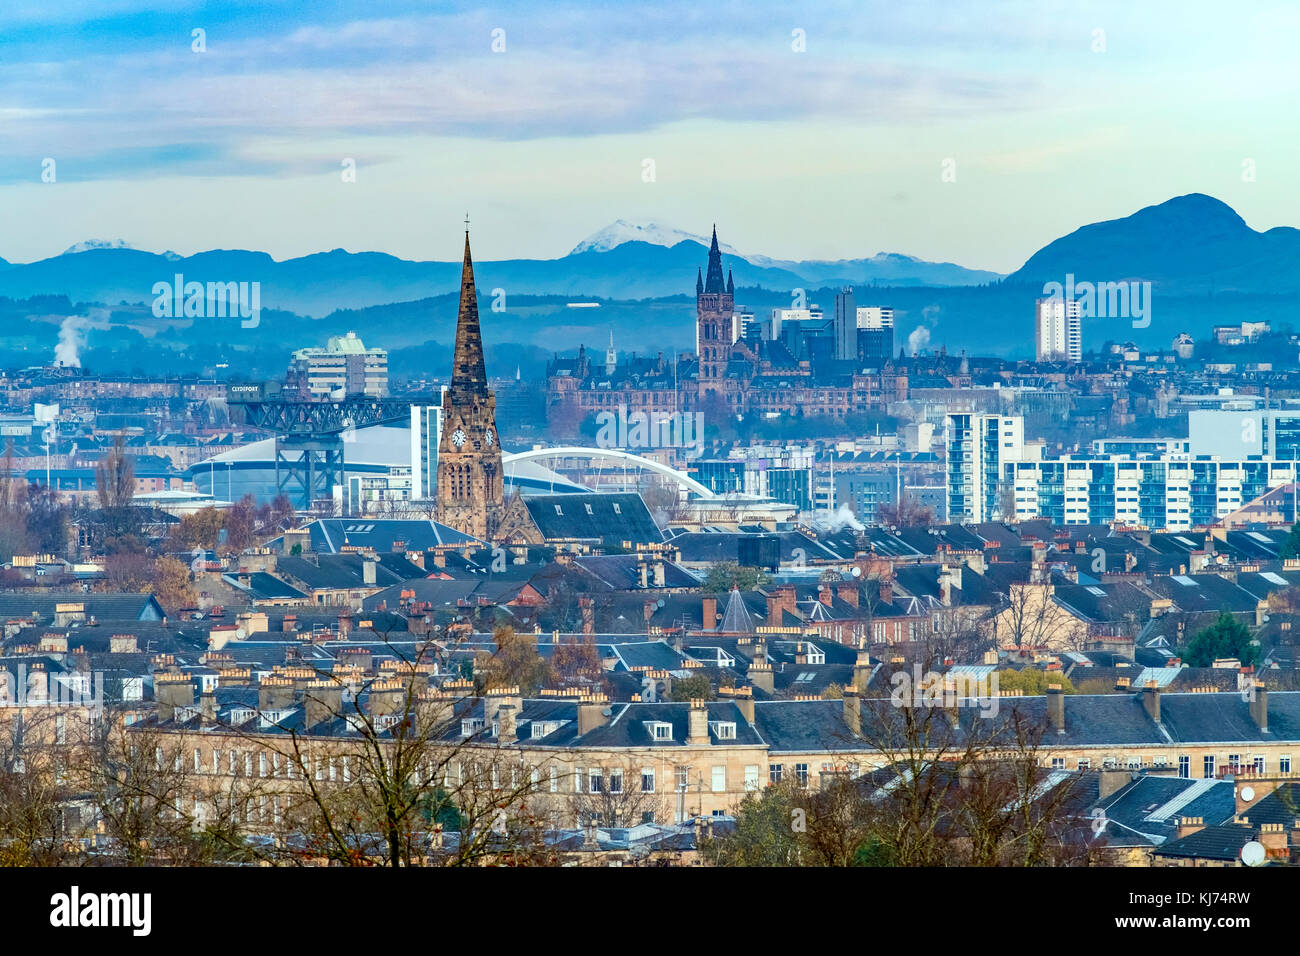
(1253, 853)
(857, 572)
(1248, 793)
(660, 603)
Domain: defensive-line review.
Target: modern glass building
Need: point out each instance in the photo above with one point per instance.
(1170, 492)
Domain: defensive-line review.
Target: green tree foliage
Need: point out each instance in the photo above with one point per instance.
(727, 574)
(695, 687)
(516, 663)
(1226, 637)
(1291, 546)
(1031, 681)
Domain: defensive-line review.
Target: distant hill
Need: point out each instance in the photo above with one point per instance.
(1206, 264)
(1188, 245)
(606, 265)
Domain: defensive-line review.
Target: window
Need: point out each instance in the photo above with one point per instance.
(751, 777)
(1184, 765)
(347, 770)
(261, 764)
(659, 729)
(683, 778)
(1258, 765)
(719, 779)
(555, 780)
(617, 509)
(1234, 763)
(616, 781)
(648, 780)
(1208, 767)
(1058, 763)
(198, 760)
(1160, 760)
(1134, 763)
(577, 780)
(723, 729)
(1085, 763)
(774, 771)
(1284, 763)
(801, 771)
(595, 781)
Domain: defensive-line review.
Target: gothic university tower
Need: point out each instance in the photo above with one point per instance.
(471, 491)
(714, 308)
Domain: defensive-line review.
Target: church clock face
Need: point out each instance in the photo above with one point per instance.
(491, 437)
(458, 438)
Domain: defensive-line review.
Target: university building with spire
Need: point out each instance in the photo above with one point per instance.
(728, 374)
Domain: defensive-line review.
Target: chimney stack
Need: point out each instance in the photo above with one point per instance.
(698, 731)
(853, 711)
(760, 671)
(1151, 700)
(1111, 779)
(743, 697)
(322, 701)
(862, 670)
(1056, 707)
(709, 613)
(886, 589)
(1259, 707)
(208, 708)
(172, 691)
(1189, 825)
(591, 713)
(506, 724)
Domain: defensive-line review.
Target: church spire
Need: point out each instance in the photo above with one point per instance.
(731, 286)
(468, 376)
(713, 280)
(699, 281)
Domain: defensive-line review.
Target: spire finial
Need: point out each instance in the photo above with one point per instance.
(467, 223)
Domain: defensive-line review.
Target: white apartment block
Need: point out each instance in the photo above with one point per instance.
(978, 448)
(1058, 331)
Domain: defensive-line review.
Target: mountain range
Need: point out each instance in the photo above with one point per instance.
(1206, 266)
(622, 261)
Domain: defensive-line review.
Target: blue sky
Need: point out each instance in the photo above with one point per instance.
(836, 151)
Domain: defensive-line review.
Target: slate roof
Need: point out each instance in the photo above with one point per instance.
(346, 571)
(1211, 843)
(329, 535)
(610, 518)
(15, 605)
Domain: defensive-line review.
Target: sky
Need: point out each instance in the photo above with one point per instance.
(968, 132)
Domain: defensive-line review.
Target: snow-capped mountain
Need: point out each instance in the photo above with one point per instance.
(621, 231)
(89, 244)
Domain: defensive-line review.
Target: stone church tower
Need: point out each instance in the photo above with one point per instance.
(714, 319)
(471, 490)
